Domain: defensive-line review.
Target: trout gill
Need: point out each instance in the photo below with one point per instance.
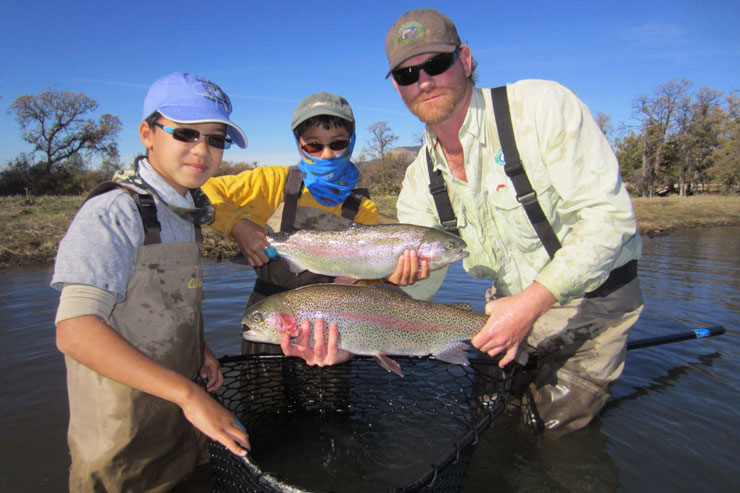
(372, 321)
(365, 252)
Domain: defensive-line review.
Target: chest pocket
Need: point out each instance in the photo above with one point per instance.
(504, 210)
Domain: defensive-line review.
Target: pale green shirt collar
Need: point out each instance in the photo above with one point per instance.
(472, 137)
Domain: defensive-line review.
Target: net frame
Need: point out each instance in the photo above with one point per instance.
(259, 386)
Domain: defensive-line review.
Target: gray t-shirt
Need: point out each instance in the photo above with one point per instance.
(102, 242)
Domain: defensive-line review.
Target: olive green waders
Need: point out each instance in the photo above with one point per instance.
(122, 439)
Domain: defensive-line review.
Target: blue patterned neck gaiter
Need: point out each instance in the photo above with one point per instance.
(330, 181)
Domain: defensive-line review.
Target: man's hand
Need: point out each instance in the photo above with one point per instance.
(409, 269)
(322, 353)
(252, 241)
(510, 320)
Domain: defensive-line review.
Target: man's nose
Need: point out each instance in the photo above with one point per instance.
(425, 80)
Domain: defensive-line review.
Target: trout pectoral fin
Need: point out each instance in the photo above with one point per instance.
(387, 363)
(454, 354)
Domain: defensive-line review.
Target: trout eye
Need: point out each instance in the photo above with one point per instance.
(450, 245)
(258, 318)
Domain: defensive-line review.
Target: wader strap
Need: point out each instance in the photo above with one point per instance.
(147, 211)
(293, 189)
(514, 169)
(617, 278)
(438, 189)
(351, 205)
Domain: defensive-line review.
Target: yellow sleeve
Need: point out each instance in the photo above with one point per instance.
(253, 194)
(368, 213)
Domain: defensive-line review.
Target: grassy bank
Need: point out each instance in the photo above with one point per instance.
(30, 228)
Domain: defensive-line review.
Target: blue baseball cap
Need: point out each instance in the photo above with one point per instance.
(188, 98)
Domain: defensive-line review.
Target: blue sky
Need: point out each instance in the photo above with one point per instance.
(269, 55)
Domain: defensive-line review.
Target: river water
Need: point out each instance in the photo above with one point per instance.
(672, 423)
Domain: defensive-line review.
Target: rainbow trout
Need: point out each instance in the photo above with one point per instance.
(372, 321)
(365, 252)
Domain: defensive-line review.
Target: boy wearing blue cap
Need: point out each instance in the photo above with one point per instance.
(129, 320)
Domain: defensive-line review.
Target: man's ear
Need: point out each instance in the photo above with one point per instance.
(466, 56)
(146, 135)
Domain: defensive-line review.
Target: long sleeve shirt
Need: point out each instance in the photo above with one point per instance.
(576, 177)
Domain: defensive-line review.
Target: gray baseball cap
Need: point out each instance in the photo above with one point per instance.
(417, 32)
(321, 103)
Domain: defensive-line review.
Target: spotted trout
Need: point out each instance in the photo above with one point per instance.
(365, 252)
(371, 320)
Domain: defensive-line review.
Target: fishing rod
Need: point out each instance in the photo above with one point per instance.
(714, 330)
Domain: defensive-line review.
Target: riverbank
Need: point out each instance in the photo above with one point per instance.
(30, 228)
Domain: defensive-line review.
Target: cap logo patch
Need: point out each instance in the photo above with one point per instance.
(320, 102)
(209, 90)
(410, 32)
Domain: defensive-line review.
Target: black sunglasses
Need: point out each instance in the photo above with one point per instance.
(189, 135)
(434, 66)
(316, 147)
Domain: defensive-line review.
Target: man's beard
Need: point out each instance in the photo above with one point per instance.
(435, 112)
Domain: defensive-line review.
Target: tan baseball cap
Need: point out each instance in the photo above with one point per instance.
(321, 103)
(417, 32)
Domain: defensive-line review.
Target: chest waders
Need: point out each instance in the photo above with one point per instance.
(122, 439)
(572, 381)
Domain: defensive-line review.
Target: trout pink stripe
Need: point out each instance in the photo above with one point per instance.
(333, 251)
(390, 322)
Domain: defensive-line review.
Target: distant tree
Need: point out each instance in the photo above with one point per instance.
(698, 137)
(381, 140)
(629, 155)
(55, 124)
(111, 163)
(604, 122)
(658, 116)
(725, 168)
(419, 139)
(15, 179)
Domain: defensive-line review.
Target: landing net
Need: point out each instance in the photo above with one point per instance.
(355, 426)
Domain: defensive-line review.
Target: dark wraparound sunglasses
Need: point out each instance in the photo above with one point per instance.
(434, 66)
(316, 147)
(190, 136)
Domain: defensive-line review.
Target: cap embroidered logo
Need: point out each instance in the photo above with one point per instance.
(410, 32)
(207, 89)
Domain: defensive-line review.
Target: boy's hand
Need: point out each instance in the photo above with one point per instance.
(321, 354)
(252, 241)
(215, 421)
(211, 371)
(409, 269)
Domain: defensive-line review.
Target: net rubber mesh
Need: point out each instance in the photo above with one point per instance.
(355, 426)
